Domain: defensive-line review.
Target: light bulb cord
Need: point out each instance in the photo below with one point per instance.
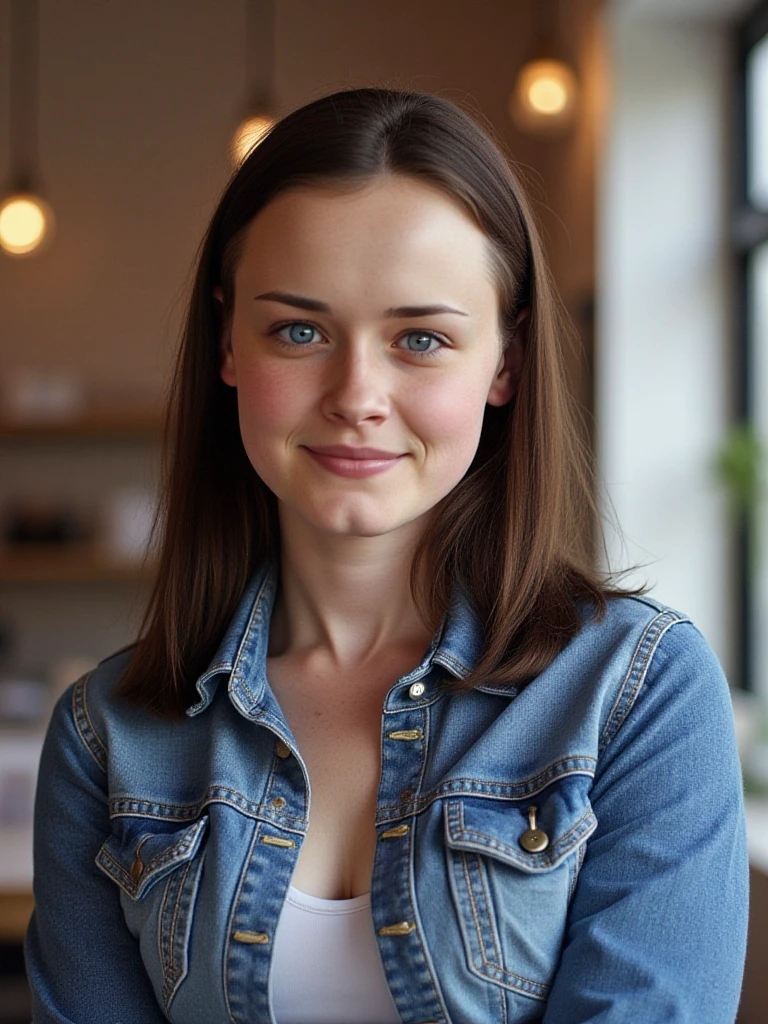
(260, 44)
(24, 91)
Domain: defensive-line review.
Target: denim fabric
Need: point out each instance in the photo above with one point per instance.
(164, 850)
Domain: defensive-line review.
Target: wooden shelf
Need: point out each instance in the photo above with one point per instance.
(15, 910)
(96, 424)
(66, 563)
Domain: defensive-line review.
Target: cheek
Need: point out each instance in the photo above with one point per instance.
(269, 408)
(450, 418)
(444, 415)
(270, 403)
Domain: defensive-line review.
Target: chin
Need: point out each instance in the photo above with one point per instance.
(342, 522)
(360, 529)
(351, 515)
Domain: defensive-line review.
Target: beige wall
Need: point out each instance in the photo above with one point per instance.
(137, 101)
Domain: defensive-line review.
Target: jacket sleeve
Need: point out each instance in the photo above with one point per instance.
(657, 926)
(83, 965)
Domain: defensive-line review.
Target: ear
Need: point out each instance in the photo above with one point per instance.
(227, 359)
(504, 385)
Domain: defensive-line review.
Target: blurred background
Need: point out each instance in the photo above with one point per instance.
(641, 129)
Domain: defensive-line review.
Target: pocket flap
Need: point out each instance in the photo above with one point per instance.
(494, 826)
(137, 863)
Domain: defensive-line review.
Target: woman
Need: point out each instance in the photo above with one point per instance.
(387, 748)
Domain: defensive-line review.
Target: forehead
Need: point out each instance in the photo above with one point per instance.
(395, 233)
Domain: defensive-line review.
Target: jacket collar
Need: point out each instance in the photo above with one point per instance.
(242, 654)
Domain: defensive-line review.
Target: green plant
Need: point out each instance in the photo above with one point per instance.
(738, 465)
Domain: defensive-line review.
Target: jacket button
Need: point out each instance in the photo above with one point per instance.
(282, 749)
(415, 690)
(533, 840)
(251, 938)
(136, 869)
(398, 830)
(401, 928)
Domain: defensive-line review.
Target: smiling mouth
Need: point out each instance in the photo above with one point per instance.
(342, 452)
(353, 467)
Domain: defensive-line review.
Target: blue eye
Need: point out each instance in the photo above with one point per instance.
(300, 334)
(424, 337)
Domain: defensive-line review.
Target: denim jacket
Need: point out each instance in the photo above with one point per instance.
(163, 850)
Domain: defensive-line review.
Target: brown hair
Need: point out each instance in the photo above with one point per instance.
(515, 532)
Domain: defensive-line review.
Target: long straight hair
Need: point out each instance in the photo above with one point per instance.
(515, 533)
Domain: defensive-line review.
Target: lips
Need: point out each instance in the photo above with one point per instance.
(341, 451)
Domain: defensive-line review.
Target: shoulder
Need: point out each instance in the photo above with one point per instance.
(78, 723)
(96, 686)
(655, 633)
(665, 670)
(630, 631)
(92, 705)
(641, 631)
(626, 613)
(643, 659)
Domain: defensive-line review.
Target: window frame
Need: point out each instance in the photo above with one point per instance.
(749, 229)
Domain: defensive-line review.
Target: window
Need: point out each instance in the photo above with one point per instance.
(750, 236)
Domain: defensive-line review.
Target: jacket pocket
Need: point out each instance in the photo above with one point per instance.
(511, 903)
(159, 875)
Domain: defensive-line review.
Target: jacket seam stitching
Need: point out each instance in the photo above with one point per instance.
(173, 974)
(254, 618)
(135, 807)
(563, 844)
(419, 934)
(637, 672)
(84, 725)
(490, 971)
(512, 976)
(233, 915)
(160, 947)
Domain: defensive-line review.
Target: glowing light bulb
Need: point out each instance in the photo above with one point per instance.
(248, 135)
(544, 97)
(24, 222)
(547, 95)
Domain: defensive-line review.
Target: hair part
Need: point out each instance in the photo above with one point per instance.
(517, 532)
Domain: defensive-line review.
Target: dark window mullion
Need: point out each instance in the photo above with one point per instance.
(749, 229)
(753, 29)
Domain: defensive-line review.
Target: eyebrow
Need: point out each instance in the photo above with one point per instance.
(394, 312)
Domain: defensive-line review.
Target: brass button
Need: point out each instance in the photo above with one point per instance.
(136, 869)
(259, 938)
(278, 802)
(401, 928)
(533, 840)
(395, 832)
(282, 749)
(415, 690)
(406, 795)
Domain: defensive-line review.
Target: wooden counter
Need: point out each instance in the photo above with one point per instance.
(15, 910)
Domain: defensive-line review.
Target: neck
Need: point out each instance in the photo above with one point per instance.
(345, 600)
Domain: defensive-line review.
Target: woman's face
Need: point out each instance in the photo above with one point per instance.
(322, 352)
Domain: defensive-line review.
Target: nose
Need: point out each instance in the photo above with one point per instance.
(357, 385)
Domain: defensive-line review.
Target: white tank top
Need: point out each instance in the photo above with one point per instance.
(326, 967)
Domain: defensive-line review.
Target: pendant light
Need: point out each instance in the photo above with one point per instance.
(544, 98)
(26, 219)
(258, 110)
